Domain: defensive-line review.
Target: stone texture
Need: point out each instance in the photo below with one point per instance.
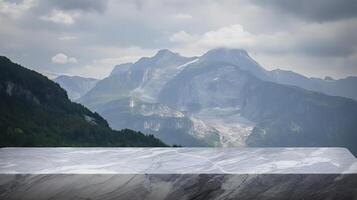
(177, 173)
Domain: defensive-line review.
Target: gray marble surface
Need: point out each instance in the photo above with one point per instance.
(177, 186)
(177, 173)
(177, 161)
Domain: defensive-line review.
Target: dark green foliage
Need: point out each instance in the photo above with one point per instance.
(35, 111)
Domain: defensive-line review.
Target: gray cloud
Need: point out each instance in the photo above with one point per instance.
(316, 38)
(316, 10)
(83, 5)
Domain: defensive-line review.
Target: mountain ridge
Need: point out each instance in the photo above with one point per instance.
(344, 87)
(76, 86)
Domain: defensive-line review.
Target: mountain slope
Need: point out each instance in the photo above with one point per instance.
(75, 86)
(345, 87)
(169, 125)
(290, 116)
(283, 115)
(35, 111)
(237, 57)
(146, 76)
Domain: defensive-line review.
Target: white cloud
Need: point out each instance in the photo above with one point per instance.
(182, 37)
(312, 49)
(60, 17)
(101, 68)
(231, 36)
(314, 40)
(63, 59)
(16, 9)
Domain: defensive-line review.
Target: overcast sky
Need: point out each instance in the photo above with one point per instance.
(316, 38)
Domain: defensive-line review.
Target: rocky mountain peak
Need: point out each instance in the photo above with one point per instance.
(120, 68)
(165, 52)
(225, 53)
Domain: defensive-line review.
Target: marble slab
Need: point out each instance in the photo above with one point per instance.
(177, 173)
(177, 161)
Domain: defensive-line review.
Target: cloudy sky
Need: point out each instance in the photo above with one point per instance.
(316, 38)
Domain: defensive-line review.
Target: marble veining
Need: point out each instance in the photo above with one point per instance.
(177, 161)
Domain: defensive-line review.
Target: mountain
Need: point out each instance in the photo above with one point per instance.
(75, 86)
(237, 57)
(282, 115)
(146, 76)
(342, 87)
(36, 111)
(222, 98)
(345, 87)
(121, 68)
(141, 82)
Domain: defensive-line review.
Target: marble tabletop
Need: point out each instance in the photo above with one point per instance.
(177, 161)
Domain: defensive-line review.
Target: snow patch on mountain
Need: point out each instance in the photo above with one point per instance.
(154, 80)
(232, 127)
(150, 109)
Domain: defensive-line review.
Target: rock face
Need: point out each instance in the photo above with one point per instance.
(172, 126)
(181, 173)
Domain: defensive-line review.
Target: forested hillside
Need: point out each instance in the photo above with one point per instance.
(35, 111)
